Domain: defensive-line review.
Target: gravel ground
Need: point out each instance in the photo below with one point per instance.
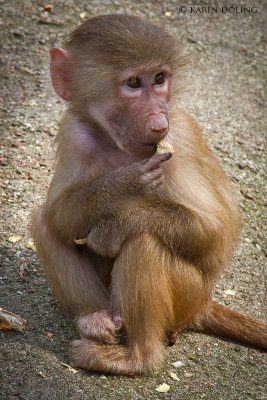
(226, 97)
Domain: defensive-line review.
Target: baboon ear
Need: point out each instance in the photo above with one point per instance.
(60, 71)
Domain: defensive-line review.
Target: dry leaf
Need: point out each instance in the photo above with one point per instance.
(15, 321)
(47, 7)
(30, 245)
(69, 368)
(24, 267)
(163, 388)
(188, 374)
(4, 326)
(49, 335)
(174, 376)
(14, 239)
(82, 15)
(41, 373)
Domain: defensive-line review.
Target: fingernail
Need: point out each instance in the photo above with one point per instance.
(168, 155)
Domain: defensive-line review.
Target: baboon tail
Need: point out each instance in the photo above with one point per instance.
(221, 321)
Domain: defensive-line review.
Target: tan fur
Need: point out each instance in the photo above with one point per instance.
(219, 320)
(153, 249)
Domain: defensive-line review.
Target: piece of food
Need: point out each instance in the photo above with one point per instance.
(164, 147)
(80, 241)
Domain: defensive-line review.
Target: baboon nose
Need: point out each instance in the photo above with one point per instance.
(158, 124)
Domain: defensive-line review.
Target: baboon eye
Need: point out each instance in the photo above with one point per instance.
(160, 78)
(134, 82)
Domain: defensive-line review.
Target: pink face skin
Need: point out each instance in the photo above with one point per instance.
(136, 118)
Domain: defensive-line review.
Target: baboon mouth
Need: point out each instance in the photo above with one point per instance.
(149, 148)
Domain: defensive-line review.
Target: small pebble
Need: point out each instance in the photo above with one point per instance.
(242, 165)
(178, 364)
(192, 39)
(17, 33)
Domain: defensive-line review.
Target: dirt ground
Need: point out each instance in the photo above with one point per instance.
(226, 97)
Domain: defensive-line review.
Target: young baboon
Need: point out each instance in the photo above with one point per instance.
(156, 229)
